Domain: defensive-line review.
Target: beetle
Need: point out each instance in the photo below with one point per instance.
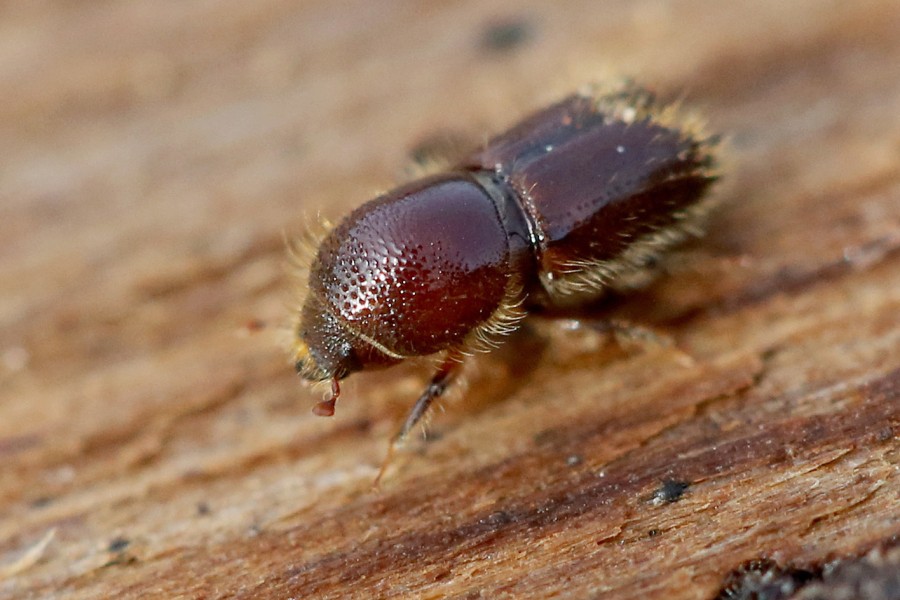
(573, 201)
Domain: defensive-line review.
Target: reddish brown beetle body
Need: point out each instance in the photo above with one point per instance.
(574, 200)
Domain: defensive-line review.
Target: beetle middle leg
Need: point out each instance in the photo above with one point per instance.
(627, 335)
(631, 335)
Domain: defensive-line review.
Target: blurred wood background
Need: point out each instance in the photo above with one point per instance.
(155, 444)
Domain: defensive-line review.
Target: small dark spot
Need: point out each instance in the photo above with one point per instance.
(670, 491)
(547, 437)
(433, 436)
(653, 533)
(42, 501)
(651, 262)
(886, 434)
(203, 509)
(505, 35)
(769, 353)
(118, 544)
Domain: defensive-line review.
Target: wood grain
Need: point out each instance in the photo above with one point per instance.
(154, 155)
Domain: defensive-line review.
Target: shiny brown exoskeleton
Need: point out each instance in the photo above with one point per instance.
(574, 200)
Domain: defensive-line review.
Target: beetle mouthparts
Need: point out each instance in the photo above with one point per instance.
(325, 408)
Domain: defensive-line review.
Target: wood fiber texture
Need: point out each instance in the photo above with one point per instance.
(155, 443)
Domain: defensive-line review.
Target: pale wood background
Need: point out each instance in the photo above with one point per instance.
(153, 155)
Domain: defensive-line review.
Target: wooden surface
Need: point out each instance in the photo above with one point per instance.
(154, 445)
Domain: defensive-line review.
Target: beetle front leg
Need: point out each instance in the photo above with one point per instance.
(443, 377)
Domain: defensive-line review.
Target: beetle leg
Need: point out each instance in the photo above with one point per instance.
(439, 152)
(627, 335)
(440, 381)
(630, 335)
